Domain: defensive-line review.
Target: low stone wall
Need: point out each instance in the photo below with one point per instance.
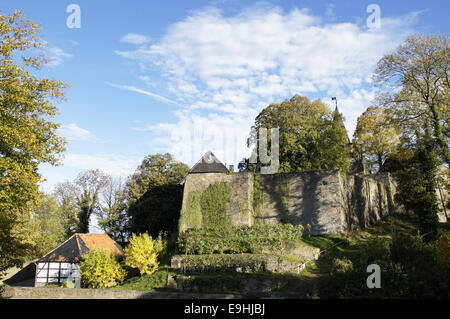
(237, 262)
(66, 293)
(296, 250)
(242, 283)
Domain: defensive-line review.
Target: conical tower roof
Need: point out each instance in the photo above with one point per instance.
(209, 163)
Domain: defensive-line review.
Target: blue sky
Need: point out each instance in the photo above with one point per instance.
(188, 76)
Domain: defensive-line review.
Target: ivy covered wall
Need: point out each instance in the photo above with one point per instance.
(322, 200)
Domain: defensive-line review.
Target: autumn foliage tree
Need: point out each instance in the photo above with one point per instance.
(375, 138)
(418, 71)
(27, 134)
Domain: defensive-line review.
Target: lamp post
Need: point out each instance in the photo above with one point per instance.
(334, 99)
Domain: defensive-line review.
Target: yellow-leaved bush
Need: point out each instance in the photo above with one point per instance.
(101, 269)
(142, 253)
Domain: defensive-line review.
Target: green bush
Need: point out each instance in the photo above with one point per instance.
(101, 269)
(410, 268)
(236, 240)
(341, 265)
(442, 250)
(223, 263)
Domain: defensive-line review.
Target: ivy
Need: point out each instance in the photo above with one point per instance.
(191, 217)
(213, 203)
(257, 198)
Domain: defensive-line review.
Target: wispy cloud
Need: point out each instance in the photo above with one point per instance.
(75, 133)
(56, 56)
(141, 91)
(134, 38)
(329, 12)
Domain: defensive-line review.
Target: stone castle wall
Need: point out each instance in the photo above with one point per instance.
(323, 200)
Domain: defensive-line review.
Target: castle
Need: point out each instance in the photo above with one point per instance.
(322, 202)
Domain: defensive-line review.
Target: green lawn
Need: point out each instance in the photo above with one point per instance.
(155, 281)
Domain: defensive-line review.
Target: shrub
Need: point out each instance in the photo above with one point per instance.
(142, 253)
(236, 240)
(341, 265)
(442, 249)
(223, 263)
(374, 250)
(410, 268)
(101, 269)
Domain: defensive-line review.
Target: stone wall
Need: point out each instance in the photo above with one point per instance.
(322, 200)
(67, 293)
(305, 198)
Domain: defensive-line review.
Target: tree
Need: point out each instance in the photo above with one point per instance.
(419, 71)
(113, 217)
(374, 137)
(27, 134)
(417, 187)
(311, 136)
(47, 226)
(101, 269)
(155, 170)
(66, 196)
(154, 196)
(142, 252)
(90, 184)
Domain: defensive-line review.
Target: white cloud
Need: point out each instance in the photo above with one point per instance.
(137, 90)
(75, 133)
(56, 56)
(113, 164)
(134, 38)
(229, 67)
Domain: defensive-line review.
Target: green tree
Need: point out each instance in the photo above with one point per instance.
(417, 187)
(155, 170)
(311, 136)
(375, 138)
(101, 269)
(419, 71)
(142, 253)
(66, 196)
(47, 226)
(27, 134)
(154, 196)
(113, 217)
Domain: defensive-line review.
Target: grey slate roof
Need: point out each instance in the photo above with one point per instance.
(209, 163)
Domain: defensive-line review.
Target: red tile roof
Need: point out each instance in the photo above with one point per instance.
(74, 248)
